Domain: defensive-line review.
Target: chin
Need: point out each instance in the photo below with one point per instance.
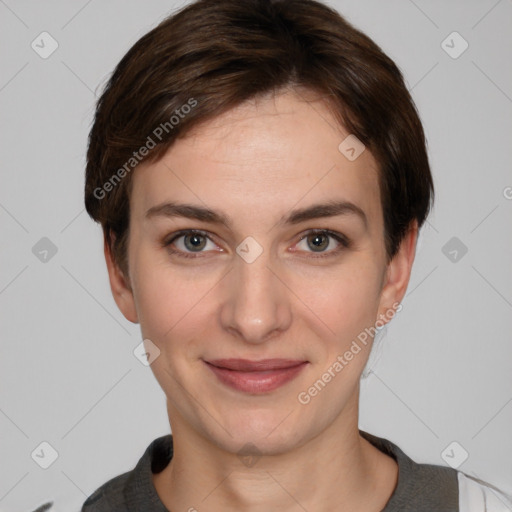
(270, 431)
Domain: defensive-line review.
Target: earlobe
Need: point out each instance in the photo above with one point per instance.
(398, 271)
(120, 286)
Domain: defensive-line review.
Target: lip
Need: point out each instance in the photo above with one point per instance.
(256, 376)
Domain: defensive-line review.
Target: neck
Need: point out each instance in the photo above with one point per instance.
(336, 470)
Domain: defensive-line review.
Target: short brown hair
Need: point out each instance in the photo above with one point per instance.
(214, 55)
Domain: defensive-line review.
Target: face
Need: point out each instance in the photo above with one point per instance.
(281, 286)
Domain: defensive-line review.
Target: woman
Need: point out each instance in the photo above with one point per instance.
(260, 173)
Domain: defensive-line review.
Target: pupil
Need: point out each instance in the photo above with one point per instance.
(320, 245)
(195, 242)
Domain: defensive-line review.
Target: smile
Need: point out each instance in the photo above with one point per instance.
(256, 376)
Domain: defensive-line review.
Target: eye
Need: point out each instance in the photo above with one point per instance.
(192, 243)
(319, 241)
(188, 242)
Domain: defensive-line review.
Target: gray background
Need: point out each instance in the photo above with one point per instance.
(68, 374)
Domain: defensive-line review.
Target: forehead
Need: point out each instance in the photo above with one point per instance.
(265, 157)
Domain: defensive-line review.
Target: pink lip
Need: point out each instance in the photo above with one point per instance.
(256, 376)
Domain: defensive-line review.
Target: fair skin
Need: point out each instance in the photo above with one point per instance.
(256, 164)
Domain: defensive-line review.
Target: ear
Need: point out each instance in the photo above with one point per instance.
(120, 286)
(397, 274)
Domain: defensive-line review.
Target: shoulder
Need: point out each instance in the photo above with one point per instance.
(109, 495)
(475, 495)
(106, 498)
(134, 488)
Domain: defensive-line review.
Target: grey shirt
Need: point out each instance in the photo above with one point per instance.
(420, 488)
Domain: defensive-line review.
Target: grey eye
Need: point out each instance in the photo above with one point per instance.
(318, 241)
(194, 241)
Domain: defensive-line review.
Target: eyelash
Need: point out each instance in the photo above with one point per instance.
(344, 242)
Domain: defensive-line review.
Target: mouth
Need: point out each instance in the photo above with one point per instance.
(256, 376)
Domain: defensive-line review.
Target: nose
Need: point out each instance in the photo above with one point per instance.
(256, 302)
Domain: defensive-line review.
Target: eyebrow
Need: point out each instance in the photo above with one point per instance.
(190, 211)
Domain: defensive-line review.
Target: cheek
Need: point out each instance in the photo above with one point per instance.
(172, 305)
(345, 300)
